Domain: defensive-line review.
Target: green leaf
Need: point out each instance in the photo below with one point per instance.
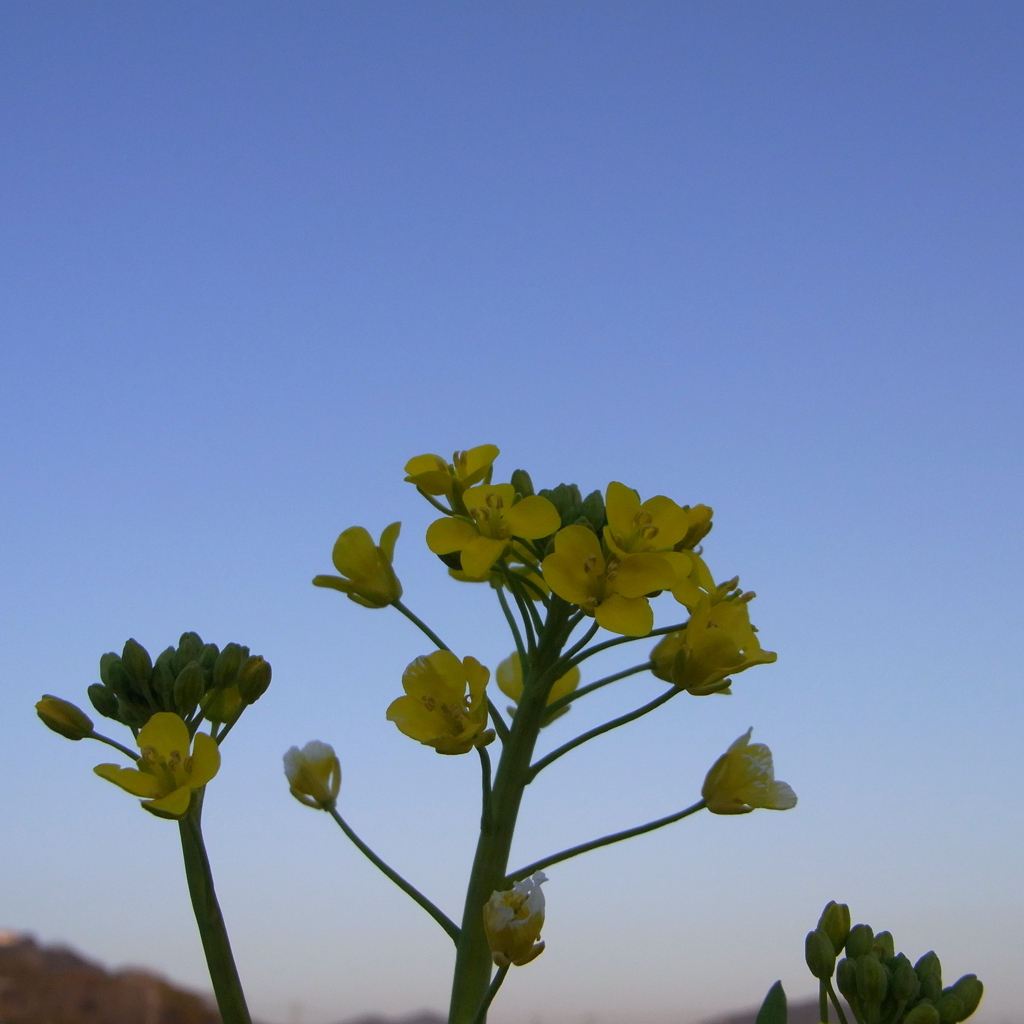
(773, 1009)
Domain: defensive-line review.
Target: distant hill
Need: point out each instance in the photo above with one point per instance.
(53, 985)
(803, 1012)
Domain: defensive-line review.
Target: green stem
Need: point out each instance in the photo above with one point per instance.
(605, 645)
(835, 1002)
(435, 503)
(133, 754)
(514, 626)
(473, 964)
(486, 816)
(419, 623)
(632, 716)
(492, 991)
(595, 844)
(590, 687)
(822, 1002)
(227, 987)
(497, 721)
(410, 890)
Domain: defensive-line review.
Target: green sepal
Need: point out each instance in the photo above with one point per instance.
(773, 1009)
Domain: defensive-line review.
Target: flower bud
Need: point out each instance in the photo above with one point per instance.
(253, 679)
(63, 717)
(835, 923)
(820, 954)
(521, 481)
(513, 920)
(314, 774)
(846, 979)
(163, 673)
(883, 947)
(872, 982)
(113, 674)
(970, 991)
(923, 1013)
(136, 661)
(859, 940)
(189, 688)
(905, 985)
(229, 661)
(190, 648)
(929, 970)
(950, 1007)
(104, 700)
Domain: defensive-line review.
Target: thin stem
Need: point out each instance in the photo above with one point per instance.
(590, 687)
(486, 818)
(230, 725)
(597, 648)
(416, 621)
(223, 974)
(527, 613)
(410, 890)
(823, 1002)
(499, 723)
(526, 606)
(433, 501)
(835, 1001)
(514, 626)
(492, 991)
(582, 642)
(632, 716)
(117, 746)
(594, 844)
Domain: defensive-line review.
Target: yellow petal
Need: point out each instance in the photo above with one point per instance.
(480, 554)
(641, 574)
(574, 571)
(205, 760)
(167, 734)
(447, 535)
(388, 538)
(510, 677)
(565, 685)
(628, 616)
(174, 805)
(472, 466)
(129, 779)
(477, 677)
(355, 554)
(621, 504)
(413, 719)
(429, 473)
(533, 517)
(438, 675)
(334, 583)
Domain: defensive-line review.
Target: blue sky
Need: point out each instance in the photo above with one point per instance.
(253, 257)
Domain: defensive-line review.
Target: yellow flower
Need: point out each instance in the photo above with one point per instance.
(716, 643)
(659, 524)
(743, 778)
(431, 474)
(513, 920)
(496, 518)
(366, 574)
(314, 774)
(510, 681)
(167, 772)
(613, 590)
(436, 708)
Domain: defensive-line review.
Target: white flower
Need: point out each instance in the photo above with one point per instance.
(314, 774)
(513, 920)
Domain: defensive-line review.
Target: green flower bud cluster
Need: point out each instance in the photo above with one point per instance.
(880, 985)
(192, 680)
(574, 509)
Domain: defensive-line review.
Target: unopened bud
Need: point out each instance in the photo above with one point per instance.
(846, 979)
(190, 648)
(64, 717)
(314, 774)
(950, 1007)
(189, 688)
(820, 954)
(970, 991)
(104, 700)
(137, 662)
(923, 1013)
(229, 661)
(905, 985)
(859, 941)
(872, 982)
(253, 679)
(163, 673)
(521, 481)
(929, 970)
(835, 923)
(113, 674)
(884, 947)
